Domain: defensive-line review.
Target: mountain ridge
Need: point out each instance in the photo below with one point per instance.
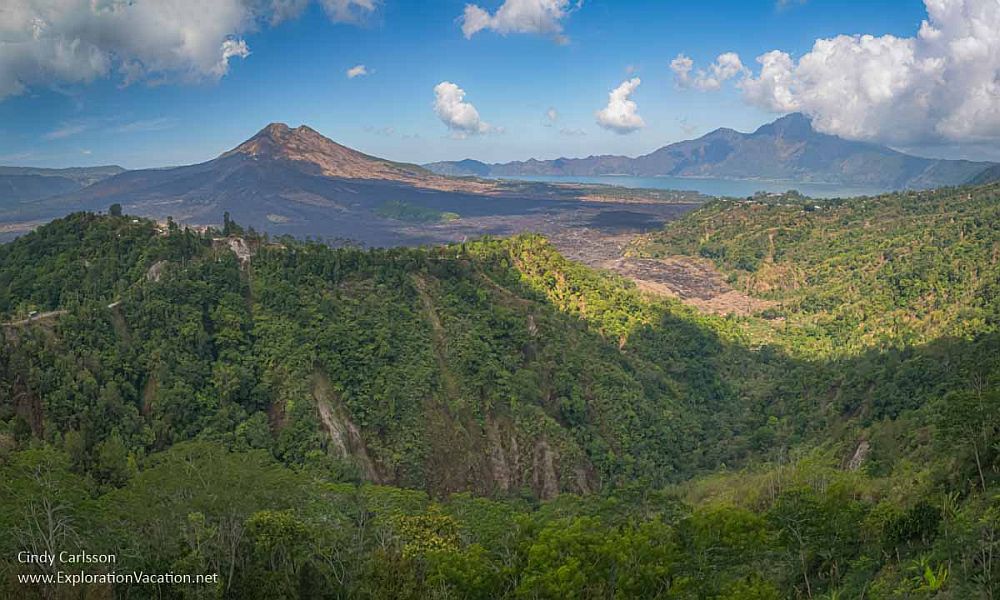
(27, 184)
(366, 411)
(288, 178)
(785, 149)
(303, 144)
(295, 181)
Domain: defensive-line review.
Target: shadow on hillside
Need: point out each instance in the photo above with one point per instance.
(757, 404)
(671, 399)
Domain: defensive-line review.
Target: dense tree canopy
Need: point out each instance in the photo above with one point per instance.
(491, 420)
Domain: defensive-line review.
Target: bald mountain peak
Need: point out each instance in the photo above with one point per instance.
(305, 149)
(281, 142)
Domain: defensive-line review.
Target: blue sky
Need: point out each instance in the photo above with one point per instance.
(296, 73)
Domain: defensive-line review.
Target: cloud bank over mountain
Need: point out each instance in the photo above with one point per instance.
(938, 87)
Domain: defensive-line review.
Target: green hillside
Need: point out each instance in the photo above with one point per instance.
(491, 420)
(886, 271)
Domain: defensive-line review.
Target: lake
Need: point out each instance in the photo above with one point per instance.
(738, 188)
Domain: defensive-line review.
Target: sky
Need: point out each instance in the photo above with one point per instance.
(144, 84)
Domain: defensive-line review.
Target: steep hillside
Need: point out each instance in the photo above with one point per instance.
(297, 182)
(312, 152)
(285, 180)
(294, 175)
(898, 269)
(787, 149)
(306, 420)
(392, 361)
(990, 175)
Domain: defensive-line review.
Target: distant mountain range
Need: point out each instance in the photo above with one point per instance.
(280, 176)
(25, 184)
(296, 181)
(278, 165)
(787, 149)
(990, 175)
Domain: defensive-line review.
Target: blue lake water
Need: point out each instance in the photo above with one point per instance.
(738, 188)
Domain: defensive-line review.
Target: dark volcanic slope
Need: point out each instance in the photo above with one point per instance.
(310, 152)
(295, 181)
(788, 148)
(279, 176)
(990, 175)
(25, 184)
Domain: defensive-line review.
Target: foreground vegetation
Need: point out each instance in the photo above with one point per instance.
(490, 420)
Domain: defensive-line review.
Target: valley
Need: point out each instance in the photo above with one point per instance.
(499, 300)
(498, 397)
(470, 372)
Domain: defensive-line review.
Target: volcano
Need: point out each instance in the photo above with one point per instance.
(283, 179)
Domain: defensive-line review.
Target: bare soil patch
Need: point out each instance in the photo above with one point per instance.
(694, 281)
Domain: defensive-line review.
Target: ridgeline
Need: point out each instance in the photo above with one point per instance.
(489, 420)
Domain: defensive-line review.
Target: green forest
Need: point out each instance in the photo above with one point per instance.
(492, 420)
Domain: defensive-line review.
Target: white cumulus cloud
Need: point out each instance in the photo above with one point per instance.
(348, 10)
(460, 116)
(50, 42)
(939, 87)
(230, 48)
(519, 16)
(621, 115)
(726, 67)
(357, 71)
(682, 66)
(551, 116)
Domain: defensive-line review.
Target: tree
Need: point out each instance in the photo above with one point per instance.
(115, 210)
(971, 419)
(112, 461)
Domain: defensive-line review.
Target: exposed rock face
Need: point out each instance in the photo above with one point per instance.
(155, 272)
(345, 437)
(501, 468)
(860, 454)
(497, 457)
(237, 246)
(240, 249)
(546, 484)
